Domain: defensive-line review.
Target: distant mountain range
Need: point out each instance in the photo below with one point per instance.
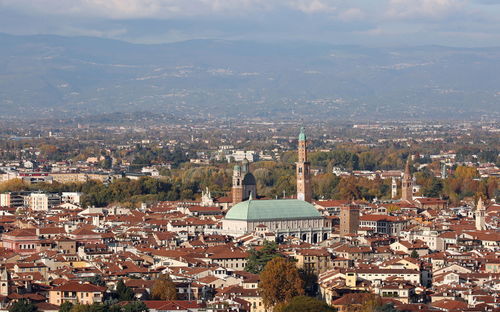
(52, 76)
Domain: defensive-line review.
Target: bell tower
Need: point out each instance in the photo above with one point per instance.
(394, 189)
(237, 191)
(407, 183)
(4, 283)
(304, 191)
(480, 215)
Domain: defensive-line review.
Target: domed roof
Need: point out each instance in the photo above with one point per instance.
(252, 210)
(302, 135)
(249, 179)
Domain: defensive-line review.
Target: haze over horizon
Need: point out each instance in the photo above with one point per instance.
(461, 23)
(277, 59)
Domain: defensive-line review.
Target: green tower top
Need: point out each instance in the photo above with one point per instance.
(302, 135)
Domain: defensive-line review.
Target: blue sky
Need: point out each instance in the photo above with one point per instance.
(467, 23)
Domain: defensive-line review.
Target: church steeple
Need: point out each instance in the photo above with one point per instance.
(4, 283)
(407, 183)
(480, 215)
(304, 191)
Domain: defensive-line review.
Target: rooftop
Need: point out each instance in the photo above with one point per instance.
(272, 209)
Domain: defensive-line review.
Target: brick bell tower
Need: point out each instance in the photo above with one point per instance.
(304, 191)
(407, 183)
(237, 191)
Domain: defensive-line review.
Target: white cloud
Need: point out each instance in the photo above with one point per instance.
(423, 8)
(128, 9)
(351, 14)
(312, 6)
(336, 20)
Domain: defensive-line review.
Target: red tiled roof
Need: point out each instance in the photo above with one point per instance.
(75, 286)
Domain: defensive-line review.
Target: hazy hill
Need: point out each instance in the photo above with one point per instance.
(60, 76)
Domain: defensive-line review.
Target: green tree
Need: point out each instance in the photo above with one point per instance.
(280, 282)
(310, 282)
(96, 280)
(414, 254)
(137, 306)
(66, 306)
(164, 288)
(23, 305)
(124, 293)
(305, 304)
(257, 259)
(96, 307)
(388, 307)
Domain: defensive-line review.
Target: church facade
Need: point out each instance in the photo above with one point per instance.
(284, 217)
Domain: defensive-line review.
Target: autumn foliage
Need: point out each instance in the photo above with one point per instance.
(280, 282)
(164, 288)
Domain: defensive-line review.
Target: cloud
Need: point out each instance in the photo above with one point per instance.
(133, 9)
(339, 21)
(351, 14)
(404, 9)
(312, 6)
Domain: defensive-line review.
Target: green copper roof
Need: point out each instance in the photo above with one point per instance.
(302, 135)
(272, 209)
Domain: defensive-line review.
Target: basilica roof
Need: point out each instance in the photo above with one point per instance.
(281, 209)
(249, 179)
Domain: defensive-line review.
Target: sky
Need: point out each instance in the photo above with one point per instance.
(464, 23)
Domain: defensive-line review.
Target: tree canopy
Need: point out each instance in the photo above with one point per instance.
(164, 288)
(280, 282)
(123, 293)
(257, 259)
(23, 305)
(305, 304)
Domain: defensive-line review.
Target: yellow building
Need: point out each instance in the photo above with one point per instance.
(314, 260)
(75, 292)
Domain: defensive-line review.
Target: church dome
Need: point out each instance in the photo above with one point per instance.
(280, 209)
(249, 179)
(302, 135)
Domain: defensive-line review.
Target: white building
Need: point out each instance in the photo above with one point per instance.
(239, 156)
(71, 197)
(41, 201)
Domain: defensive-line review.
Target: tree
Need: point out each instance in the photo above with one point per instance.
(388, 307)
(257, 259)
(137, 306)
(305, 304)
(23, 305)
(164, 288)
(369, 303)
(280, 282)
(124, 293)
(310, 282)
(414, 254)
(96, 307)
(96, 280)
(66, 306)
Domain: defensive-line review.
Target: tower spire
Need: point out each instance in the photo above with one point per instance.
(304, 191)
(407, 183)
(480, 215)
